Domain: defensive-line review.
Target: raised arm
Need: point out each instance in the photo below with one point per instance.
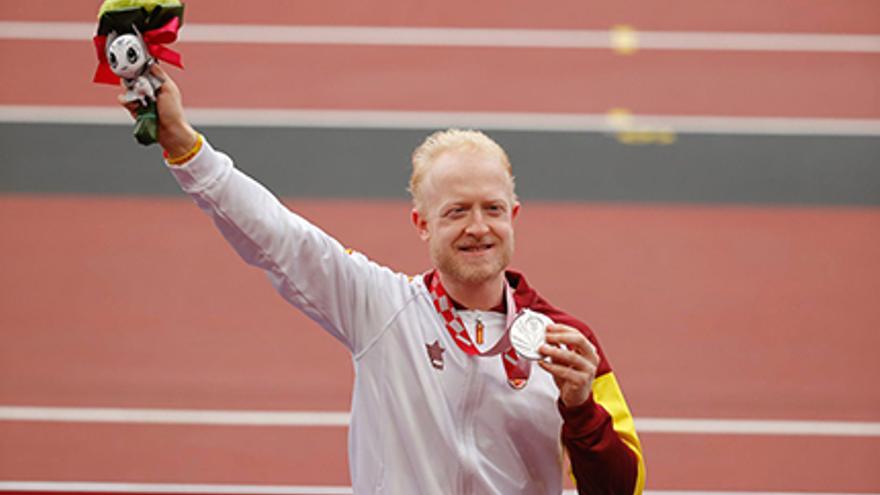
(348, 295)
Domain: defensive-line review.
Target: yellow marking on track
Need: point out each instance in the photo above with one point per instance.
(624, 39)
(658, 136)
(628, 131)
(619, 118)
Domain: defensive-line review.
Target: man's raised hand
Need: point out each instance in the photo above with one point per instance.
(176, 136)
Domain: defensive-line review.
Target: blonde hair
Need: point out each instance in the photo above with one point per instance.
(440, 142)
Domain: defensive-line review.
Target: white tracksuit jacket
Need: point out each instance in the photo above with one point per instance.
(415, 428)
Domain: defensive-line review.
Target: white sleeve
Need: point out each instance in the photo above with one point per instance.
(347, 294)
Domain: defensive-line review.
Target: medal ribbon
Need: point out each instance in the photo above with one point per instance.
(155, 39)
(517, 369)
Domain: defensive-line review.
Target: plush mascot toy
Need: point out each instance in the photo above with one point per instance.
(132, 35)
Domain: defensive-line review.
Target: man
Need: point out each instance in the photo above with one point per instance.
(441, 402)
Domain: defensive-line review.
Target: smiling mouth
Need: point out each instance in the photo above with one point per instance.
(476, 249)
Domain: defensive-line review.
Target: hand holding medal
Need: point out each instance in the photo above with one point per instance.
(130, 39)
(561, 350)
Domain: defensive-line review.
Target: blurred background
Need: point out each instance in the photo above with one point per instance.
(700, 180)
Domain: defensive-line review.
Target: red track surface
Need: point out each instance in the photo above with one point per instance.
(175, 454)
(254, 455)
(812, 16)
(742, 312)
(764, 303)
(457, 79)
(705, 311)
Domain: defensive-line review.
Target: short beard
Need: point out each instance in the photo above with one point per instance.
(471, 274)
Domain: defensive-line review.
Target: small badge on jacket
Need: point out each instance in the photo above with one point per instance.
(435, 354)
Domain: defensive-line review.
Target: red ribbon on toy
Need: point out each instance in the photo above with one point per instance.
(155, 39)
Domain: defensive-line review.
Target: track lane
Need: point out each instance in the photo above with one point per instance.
(741, 463)
(826, 16)
(139, 453)
(307, 456)
(732, 292)
(456, 79)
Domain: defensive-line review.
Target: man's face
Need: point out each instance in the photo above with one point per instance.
(467, 216)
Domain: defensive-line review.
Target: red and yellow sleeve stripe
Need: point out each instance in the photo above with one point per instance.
(607, 393)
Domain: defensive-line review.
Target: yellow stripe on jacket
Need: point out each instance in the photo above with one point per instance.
(606, 393)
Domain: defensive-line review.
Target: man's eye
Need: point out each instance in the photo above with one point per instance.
(457, 211)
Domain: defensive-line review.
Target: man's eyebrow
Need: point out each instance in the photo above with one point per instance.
(496, 202)
(450, 204)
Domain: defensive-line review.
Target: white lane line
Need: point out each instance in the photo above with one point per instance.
(718, 492)
(104, 487)
(759, 427)
(173, 416)
(324, 418)
(612, 123)
(479, 37)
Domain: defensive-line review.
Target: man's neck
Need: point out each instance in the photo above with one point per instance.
(483, 296)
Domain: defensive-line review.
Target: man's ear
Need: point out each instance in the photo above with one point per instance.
(514, 211)
(420, 223)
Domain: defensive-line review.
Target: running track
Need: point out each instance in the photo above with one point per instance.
(738, 311)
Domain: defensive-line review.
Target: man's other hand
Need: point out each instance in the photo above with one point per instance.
(573, 366)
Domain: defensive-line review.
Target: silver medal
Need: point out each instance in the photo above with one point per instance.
(528, 332)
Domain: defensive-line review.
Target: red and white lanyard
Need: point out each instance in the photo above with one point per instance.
(517, 369)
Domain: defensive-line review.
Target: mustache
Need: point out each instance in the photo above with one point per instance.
(472, 243)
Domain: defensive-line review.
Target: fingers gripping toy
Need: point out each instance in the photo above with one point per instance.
(131, 37)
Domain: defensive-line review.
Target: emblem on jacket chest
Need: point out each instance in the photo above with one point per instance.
(435, 354)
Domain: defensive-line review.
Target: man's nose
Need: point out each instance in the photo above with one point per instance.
(477, 225)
